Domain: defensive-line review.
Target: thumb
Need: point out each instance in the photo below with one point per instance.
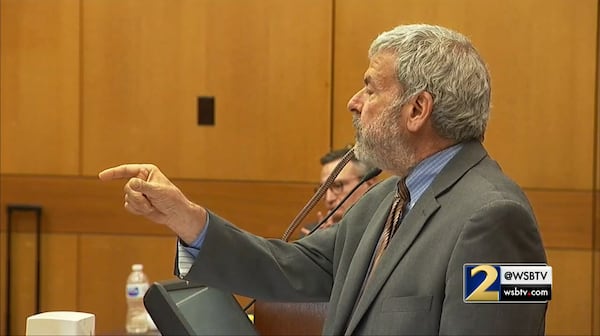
(139, 185)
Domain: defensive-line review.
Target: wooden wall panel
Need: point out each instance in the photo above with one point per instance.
(268, 66)
(570, 310)
(60, 255)
(87, 205)
(104, 264)
(3, 255)
(596, 293)
(74, 206)
(596, 222)
(565, 217)
(39, 87)
(58, 277)
(547, 149)
(22, 281)
(541, 142)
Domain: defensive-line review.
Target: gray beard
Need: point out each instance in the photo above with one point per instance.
(383, 144)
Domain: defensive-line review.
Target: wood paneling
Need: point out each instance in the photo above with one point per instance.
(39, 87)
(3, 273)
(596, 295)
(543, 70)
(565, 217)
(58, 274)
(87, 205)
(104, 264)
(547, 116)
(22, 281)
(81, 273)
(596, 222)
(268, 66)
(59, 278)
(570, 310)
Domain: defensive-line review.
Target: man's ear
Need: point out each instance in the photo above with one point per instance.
(420, 112)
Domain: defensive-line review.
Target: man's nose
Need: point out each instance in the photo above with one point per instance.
(355, 103)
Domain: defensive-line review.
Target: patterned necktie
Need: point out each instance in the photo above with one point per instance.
(401, 198)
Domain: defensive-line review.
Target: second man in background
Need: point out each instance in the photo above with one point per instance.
(348, 178)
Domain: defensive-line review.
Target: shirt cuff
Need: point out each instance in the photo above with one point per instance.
(186, 254)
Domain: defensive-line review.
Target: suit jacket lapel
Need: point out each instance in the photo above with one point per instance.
(412, 224)
(359, 265)
(402, 240)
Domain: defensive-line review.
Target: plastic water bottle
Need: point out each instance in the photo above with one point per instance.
(137, 284)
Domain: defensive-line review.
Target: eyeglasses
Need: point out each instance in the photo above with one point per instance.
(337, 187)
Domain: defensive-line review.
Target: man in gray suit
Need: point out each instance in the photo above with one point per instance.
(421, 116)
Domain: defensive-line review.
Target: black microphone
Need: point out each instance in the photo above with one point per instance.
(371, 174)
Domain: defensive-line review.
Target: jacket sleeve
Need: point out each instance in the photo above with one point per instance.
(268, 269)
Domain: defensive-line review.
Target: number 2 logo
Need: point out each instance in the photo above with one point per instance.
(482, 292)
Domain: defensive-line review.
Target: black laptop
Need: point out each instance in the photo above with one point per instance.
(178, 307)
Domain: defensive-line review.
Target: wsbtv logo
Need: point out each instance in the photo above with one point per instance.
(493, 283)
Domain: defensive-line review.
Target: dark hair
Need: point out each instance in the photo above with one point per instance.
(337, 154)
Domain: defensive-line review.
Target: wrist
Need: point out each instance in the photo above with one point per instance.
(192, 224)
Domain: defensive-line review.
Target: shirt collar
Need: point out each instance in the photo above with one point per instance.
(421, 177)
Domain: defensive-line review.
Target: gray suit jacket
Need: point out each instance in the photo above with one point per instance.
(471, 213)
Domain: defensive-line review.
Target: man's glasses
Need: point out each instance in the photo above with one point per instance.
(337, 187)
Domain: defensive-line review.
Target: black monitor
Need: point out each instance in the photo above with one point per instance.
(179, 307)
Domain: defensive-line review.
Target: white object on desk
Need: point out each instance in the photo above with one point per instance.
(61, 323)
(151, 325)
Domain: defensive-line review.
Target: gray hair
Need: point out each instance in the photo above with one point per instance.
(445, 64)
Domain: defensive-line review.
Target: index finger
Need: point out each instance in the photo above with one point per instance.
(125, 171)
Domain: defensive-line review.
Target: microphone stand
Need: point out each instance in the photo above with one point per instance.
(318, 195)
(365, 178)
